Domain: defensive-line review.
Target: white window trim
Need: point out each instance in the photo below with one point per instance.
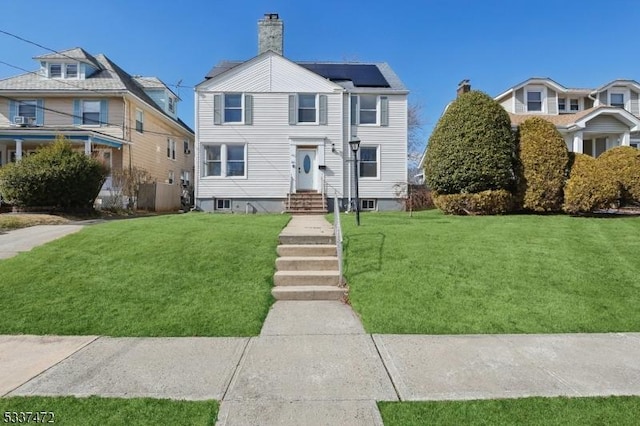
(566, 104)
(223, 202)
(377, 177)
(171, 148)
(620, 91)
(171, 104)
(223, 161)
(543, 99)
(580, 105)
(138, 110)
(375, 204)
(317, 108)
(377, 123)
(223, 108)
(63, 70)
(82, 123)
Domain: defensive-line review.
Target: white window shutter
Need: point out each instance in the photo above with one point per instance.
(384, 111)
(323, 109)
(217, 109)
(248, 109)
(292, 110)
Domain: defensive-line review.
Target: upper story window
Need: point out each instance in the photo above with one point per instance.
(307, 108)
(71, 71)
(534, 100)
(233, 108)
(185, 147)
(562, 104)
(574, 105)
(172, 104)
(27, 109)
(139, 120)
(91, 112)
(171, 149)
(55, 70)
(368, 109)
(617, 100)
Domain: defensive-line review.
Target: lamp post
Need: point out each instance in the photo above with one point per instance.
(354, 143)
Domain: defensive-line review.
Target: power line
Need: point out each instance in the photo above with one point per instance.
(70, 57)
(106, 123)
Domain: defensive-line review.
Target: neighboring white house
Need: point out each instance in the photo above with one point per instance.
(269, 128)
(590, 120)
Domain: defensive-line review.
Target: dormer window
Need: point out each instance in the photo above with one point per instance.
(55, 71)
(534, 100)
(574, 105)
(562, 104)
(71, 71)
(172, 104)
(617, 100)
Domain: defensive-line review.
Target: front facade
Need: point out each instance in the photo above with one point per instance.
(269, 128)
(590, 120)
(123, 121)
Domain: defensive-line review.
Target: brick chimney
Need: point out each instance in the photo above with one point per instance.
(270, 33)
(463, 87)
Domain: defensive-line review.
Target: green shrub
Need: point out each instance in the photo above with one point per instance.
(590, 186)
(624, 163)
(54, 177)
(472, 148)
(543, 160)
(481, 203)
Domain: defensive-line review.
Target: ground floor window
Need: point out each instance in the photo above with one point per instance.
(369, 162)
(225, 160)
(184, 178)
(367, 204)
(171, 177)
(223, 204)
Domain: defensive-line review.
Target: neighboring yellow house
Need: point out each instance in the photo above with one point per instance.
(122, 120)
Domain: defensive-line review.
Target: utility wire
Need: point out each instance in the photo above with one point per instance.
(70, 57)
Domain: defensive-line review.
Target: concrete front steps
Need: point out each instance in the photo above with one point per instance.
(306, 203)
(307, 269)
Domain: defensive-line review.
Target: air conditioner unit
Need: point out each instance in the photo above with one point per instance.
(20, 120)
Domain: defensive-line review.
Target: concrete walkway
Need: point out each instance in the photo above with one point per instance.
(24, 239)
(313, 364)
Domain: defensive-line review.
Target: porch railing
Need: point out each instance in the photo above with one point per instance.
(337, 227)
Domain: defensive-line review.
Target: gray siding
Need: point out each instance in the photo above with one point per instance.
(552, 104)
(606, 124)
(520, 101)
(635, 104)
(588, 102)
(507, 103)
(603, 98)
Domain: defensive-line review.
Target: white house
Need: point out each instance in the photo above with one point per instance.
(270, 130)
(590, 120)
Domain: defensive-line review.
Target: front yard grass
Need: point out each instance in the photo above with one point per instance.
(108, 411)
(195, 274)
(615, 410)
(437, 274)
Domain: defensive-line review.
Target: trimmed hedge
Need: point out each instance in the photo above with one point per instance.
(54, 177)
(624, 164)
(489, 202)
(590, 186)
(543, 165)
(472, 148)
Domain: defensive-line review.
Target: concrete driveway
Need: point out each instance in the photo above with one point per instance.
(24, 239)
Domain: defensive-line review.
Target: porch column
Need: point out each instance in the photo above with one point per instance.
(578, 146)
(625, 140)
(18, 149)
(87, 147)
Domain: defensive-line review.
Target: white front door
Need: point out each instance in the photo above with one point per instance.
(306, 169)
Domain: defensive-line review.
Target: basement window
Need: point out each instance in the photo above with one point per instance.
(223, 204)
(367, 204)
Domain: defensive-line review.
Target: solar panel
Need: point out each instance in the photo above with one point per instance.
(362, 75)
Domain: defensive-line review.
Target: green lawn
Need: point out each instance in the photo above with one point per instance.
(108, 411)
(180, 275)
(437, 274)
(616, 411)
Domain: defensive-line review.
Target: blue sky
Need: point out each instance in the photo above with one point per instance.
(431, 44)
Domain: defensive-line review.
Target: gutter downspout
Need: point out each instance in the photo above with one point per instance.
(126, 135)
